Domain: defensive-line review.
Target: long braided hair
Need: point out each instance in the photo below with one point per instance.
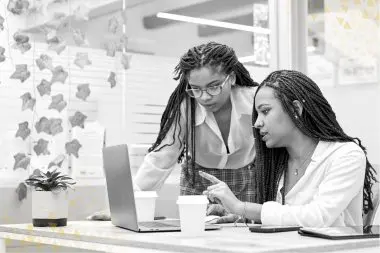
(317, 121)
(214, 55)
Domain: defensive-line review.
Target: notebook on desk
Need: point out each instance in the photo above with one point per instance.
(121, 197)
(341, 233)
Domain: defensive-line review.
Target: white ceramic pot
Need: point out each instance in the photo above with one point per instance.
(50, 209)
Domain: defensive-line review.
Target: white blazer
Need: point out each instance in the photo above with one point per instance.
(330, 193)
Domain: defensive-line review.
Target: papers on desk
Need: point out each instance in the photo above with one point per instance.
(211, 219)
(89, 164)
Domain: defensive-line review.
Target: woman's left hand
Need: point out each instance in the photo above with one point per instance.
(220, 191)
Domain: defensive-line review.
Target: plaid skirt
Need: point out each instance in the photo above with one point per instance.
(241, 181)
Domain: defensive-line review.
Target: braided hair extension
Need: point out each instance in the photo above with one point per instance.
(217, 56)
(317, 121)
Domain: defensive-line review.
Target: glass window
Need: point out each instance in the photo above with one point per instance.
(343, 42)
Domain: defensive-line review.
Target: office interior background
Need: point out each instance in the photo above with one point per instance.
(112, 62)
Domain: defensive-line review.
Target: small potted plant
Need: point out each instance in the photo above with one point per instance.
(50, 202)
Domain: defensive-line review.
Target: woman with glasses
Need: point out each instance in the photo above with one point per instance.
(310, 172)
(207, 126)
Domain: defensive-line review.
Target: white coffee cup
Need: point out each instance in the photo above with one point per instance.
(192, 213)
(145, 205)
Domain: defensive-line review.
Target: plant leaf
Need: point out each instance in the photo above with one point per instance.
(27, 101)
(44, 87)
(55, 126)
(112, 79)
(41, 147)
(79, 37)
(83, 91)
(77, 119)
(23, 130)
(21, 191)
(21, 161)
(126, 61)
(2, 56)
(42, 125)
(73, 147)
(57, 103)
(59, 75)
(17, 6)
(82, 60)
(1, 23)
(21, 72)
(57, 161)
(45, 62)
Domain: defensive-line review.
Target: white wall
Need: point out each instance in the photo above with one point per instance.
(358, 111)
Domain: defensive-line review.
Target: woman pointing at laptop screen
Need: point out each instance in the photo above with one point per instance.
(309, 172)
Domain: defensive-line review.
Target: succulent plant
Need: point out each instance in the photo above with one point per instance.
(52, 180)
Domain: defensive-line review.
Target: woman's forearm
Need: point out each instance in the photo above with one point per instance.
(251, 211)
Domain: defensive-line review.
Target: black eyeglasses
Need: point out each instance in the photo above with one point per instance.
(212, 91)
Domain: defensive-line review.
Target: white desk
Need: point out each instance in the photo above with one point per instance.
(103, 236)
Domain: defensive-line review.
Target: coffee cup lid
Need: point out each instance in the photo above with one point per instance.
(145, 194)
(192, 199)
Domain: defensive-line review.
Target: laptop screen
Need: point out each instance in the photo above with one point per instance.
(120, 186)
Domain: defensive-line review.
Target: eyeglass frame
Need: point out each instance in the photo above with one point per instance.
(220, 86)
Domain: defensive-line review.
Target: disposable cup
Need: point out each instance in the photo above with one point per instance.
(145, 205)
(192, 213)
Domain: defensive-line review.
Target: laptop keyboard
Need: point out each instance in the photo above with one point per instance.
(159, 224)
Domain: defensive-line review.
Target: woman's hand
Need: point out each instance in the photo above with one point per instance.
(103, 215)
(220, 191)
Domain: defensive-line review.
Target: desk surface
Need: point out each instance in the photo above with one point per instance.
(103, 236)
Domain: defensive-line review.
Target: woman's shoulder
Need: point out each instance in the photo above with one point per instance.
(345, 149)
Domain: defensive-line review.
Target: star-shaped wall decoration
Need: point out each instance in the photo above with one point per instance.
(57, 47)
(57, 103)
(21, 191)
(42, 125)
(81, 12)
(41, 148)
(1, 23)
(123, 43)
(79, 37)
(22, 73)
(59, 75)
(126, 60)
(37, 6)
(60, 20)
(27, 101)
(73, 147)
(18, 7)
(51, 35)
(57, 161)
(45, 62)
(55, 126)
(112, 79)
(77, 119)
(113, 25)
(51, 126)
(110, 47)
(83, 91)
(22, 42)
(23, 130)
(82, 60)
(44, 88)
(2, 56)
(21, 161)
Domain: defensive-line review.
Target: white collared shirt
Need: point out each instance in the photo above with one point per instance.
(330, 193)
(211, 151)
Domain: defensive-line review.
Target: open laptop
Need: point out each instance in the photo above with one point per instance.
(121, 197)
